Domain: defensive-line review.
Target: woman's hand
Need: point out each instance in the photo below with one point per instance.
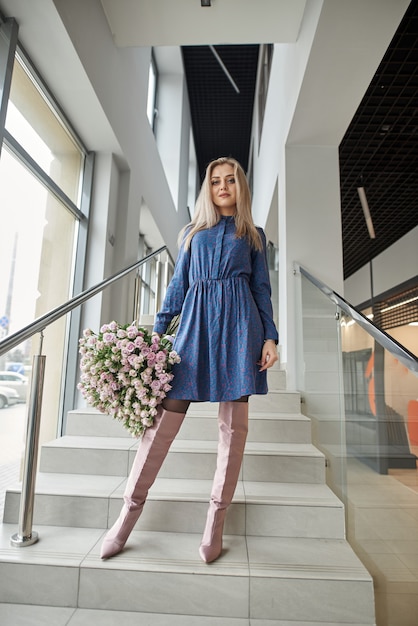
(269, 355)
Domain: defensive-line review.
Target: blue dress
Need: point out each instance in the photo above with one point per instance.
(221, 287)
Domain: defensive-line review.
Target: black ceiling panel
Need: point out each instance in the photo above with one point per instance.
(379, 152)
(221, 117)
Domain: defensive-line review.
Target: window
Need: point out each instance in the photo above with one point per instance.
(34, 123)
(266, 59)
(38, 226)
(152, 93)
(42, 185)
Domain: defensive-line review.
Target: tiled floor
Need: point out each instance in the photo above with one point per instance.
(407, 477)
(383, 529)
(17, 615)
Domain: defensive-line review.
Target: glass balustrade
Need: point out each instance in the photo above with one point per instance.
(361, 394)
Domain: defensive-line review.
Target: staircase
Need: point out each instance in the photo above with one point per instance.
(285, 559)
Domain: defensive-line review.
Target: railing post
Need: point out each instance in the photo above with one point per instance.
(157, 298)
(25, 536)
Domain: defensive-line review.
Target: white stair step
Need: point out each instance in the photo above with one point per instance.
(270, 462)
(90, 422)
(256, 577)
(276, 379)
(263, 427)
(276, 401)
(279, 427)
(280, 401)
(108, 456)
(24, 615)
(180, 505)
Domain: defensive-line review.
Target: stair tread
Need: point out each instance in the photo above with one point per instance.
(19, 614)
(185, 489)
(151, 551)
(211, 413)
(183, 445)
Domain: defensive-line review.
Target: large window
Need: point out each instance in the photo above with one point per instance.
(41, 188)
(35, 124)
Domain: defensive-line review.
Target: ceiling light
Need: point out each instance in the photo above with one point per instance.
(395, 306)
(224, 68)
(366, 211)
(205, 3)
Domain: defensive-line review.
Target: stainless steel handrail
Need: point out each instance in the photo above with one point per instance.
(25, 535)
(42, 322)
(398, 350)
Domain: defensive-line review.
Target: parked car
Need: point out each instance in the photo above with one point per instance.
(15, 366)
(8, 397)
(16, 381)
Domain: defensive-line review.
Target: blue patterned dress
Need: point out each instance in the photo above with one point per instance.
(221, 287)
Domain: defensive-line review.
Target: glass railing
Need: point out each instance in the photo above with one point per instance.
(360, 389)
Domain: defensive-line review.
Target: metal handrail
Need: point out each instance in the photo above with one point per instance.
(42, 322)
(394, 347)
(25, 535)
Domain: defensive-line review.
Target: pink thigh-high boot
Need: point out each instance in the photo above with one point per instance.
(151, 453)
(233, 428)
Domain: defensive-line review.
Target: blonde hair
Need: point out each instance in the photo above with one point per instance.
(206, 215)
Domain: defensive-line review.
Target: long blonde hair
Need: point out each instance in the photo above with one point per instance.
(206, 215)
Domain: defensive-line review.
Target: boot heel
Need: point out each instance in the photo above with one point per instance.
(211, 546)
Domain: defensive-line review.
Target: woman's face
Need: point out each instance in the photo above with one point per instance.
(223, 189)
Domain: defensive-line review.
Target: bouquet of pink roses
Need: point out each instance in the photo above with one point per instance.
(126, 372)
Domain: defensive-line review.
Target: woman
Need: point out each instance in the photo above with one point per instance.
(226, 339)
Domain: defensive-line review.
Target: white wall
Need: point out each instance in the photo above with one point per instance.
(392, 267)
(119, 77)
(315, 87)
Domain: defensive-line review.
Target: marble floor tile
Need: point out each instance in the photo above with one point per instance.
(62, 546)
(163, 573)
(166, 552)
(29, 615)
(89, 617)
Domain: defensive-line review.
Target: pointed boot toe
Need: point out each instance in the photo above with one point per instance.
(209, 553)
(110, 547)
(211, 545)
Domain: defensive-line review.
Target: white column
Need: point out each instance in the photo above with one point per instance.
(309, 233)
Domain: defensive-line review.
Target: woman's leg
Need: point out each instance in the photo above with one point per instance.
(233, 428)
(151, 453)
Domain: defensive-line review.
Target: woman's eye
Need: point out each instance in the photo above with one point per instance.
(215, 182)
(231, 181)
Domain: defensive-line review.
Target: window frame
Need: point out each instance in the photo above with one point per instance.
(11, 49)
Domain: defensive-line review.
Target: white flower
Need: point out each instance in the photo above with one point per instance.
(125, 372)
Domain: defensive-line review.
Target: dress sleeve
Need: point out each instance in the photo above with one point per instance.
(176, 292)
(261, 289)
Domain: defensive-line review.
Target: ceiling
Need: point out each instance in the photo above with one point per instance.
(379, 149)
(168, 22)
(221, 117)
